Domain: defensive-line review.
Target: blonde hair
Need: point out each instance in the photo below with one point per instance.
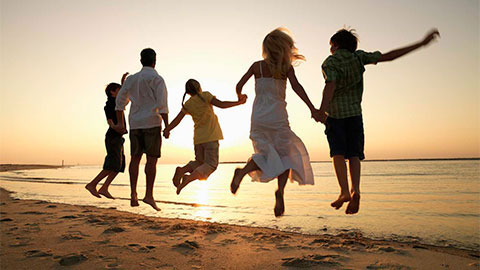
(279, 52)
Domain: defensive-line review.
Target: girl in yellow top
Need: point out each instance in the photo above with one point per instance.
(207, 133)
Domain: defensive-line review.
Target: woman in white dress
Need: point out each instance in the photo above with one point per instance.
(279, 153)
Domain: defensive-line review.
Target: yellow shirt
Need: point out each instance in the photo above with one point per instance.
(206, 127)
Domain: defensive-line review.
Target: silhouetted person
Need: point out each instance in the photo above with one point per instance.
(341, 110)
(148, 94)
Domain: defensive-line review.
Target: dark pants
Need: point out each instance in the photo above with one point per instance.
(345, 136)
(115, 159)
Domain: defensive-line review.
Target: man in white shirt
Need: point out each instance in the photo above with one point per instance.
(148, 94)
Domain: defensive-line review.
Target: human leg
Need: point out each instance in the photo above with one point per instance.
(104, 189)
(133, 173)
(341, 173)
(150, 172)
(92, 186)
(279, 201)
(355, 168)
(240, 173)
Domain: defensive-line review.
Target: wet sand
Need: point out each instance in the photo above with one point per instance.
(43, 235)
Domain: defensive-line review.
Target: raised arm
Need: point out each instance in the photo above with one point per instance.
(227, 104)
(173, 124)
(392, 55)
(298, 89)
(124, 76)
(243, 81)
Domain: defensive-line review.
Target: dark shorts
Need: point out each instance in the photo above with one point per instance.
(345, 136)
(115, 159)
(148, 141)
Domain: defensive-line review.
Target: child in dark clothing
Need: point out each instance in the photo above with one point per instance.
(115, 159)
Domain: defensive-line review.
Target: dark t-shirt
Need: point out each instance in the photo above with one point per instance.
(111, 114)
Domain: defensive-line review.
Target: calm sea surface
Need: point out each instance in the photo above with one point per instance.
(434, 202)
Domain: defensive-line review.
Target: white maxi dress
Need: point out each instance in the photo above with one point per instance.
(276, 147)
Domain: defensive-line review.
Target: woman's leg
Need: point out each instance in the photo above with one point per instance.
(240, 173)
(279, 202)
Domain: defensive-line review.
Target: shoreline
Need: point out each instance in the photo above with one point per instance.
(17, 167)
(46, 235)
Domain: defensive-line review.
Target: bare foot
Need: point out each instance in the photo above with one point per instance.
(133, 200)
(181, 185)
(177, 176)
(92, 190)
(151, 202)
(343, 198)
(235, 184)
(279, 204)
(353, 205)
(105, 193)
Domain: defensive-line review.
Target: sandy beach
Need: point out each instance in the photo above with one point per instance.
(43, 235)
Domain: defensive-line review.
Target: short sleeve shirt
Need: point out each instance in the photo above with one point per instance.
(346, 70)
(206, 126)
(111, 114)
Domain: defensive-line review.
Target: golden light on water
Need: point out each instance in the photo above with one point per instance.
(202, 197)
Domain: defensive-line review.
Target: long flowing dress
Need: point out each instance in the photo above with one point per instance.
(276, 147)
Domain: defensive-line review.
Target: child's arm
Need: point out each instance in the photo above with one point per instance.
(173, 124)
(124, 76)
(227, 104)
(327, 97)
(298, 88)
(392, 55)
(243, 81)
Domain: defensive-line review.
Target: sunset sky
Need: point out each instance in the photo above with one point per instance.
(58, 56)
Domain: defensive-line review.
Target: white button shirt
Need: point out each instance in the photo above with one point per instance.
(148, 94)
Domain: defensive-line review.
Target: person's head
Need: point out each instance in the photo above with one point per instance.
(344, 39)
(112, 89)
(192, 87)
(279, 52)
(148, 57)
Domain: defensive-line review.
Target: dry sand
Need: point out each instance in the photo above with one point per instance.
(43, 235)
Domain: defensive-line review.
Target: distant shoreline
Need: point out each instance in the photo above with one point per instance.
(380, 160)
(16, 167)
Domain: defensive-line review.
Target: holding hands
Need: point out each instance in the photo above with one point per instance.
(242, 99)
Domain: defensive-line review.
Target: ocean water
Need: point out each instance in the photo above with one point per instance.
(431, 202)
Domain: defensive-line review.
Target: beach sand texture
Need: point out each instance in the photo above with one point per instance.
(42, 235)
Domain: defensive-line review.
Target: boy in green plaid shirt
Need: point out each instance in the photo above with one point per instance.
(341, 110)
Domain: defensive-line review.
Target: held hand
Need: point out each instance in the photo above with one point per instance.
(119, 129)
(124, 76)
(166, 133)
(432, 35)
(242, 99)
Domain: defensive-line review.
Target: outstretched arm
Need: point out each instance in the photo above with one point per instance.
(227, 104)
(243, 81)
(392, 55)
(173, 124)
(298, 88)
(327, 97)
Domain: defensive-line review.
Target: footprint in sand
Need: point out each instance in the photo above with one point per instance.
(186, 247)
(313, 261)
(37, 253)
(72, 259)
(113, 230)
(378, 265)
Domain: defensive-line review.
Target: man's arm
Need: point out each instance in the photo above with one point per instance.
(165, 118)
(327, 97)
(392, 55)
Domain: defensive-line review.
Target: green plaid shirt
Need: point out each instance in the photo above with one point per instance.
(346, 70)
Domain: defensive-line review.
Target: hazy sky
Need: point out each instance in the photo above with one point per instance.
(58, 56)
